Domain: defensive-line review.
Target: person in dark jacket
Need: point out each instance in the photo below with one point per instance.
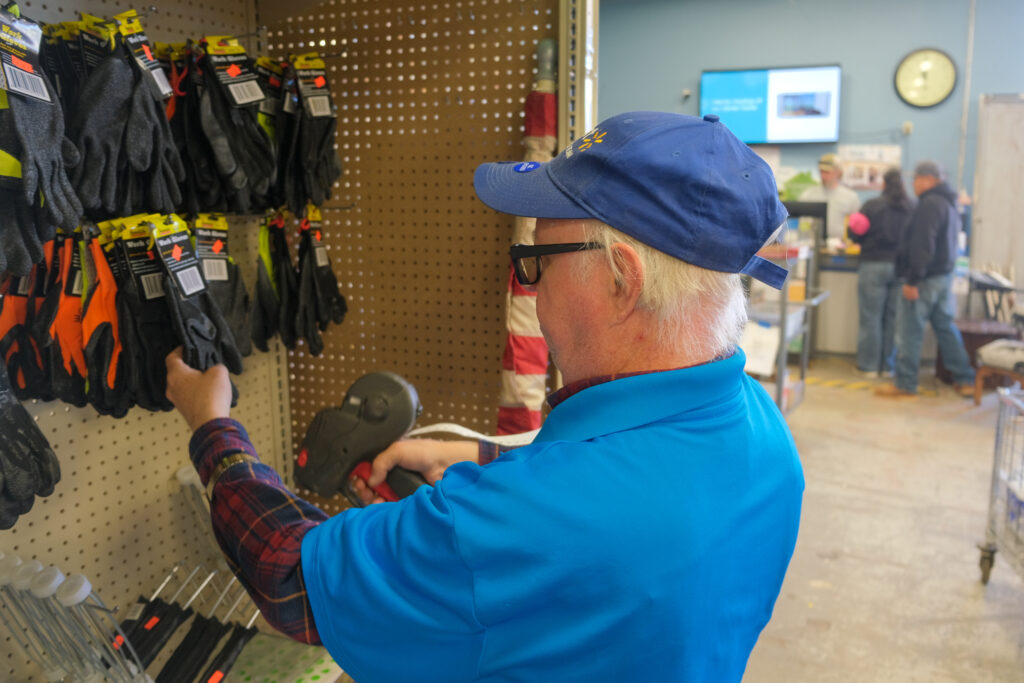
(878, 228)
(924, 262)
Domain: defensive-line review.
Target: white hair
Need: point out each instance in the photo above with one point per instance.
(700, 312)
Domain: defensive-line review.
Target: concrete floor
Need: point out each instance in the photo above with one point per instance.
(884, 584)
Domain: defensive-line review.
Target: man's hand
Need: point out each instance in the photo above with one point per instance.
(198, 396)
(910, 293)
(429, 457)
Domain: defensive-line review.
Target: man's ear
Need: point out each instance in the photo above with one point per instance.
(631, 282)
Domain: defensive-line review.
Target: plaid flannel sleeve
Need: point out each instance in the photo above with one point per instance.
(488, 451)
(259, 524)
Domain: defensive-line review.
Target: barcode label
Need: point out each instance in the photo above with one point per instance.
(191, 281)
(161, 81)
(76, 286)
(246, 92)
(215, 269)
(321, 256)
(319, 105)
(268, 106)
(152, 285)
(135, 612)
(25, 83)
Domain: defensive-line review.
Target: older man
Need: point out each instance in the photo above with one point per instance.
(645, 533)
(924, 261)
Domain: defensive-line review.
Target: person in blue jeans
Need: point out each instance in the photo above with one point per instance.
(877, 227)
(924, 262)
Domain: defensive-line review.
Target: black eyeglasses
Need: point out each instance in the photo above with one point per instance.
(526, 257)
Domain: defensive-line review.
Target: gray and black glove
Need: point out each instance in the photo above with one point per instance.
(45, 153)
(235, 305)
(97, 130)
(201, 329)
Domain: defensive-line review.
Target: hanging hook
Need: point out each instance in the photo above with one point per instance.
(260, 30)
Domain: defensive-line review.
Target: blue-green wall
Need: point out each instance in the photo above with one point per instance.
(650, 50)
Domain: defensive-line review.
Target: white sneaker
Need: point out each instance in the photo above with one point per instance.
(868, 374)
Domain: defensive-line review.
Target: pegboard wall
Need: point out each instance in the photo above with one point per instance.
(116, 515)
(425, 93)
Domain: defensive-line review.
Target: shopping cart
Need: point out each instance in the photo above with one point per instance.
(1005, 530)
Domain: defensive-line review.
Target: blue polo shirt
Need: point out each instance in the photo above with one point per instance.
(643, 536)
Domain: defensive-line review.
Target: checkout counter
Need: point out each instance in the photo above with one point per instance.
(835, 329)
(836, 324)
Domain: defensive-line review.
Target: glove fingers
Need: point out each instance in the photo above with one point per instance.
(138, 132)
(14, 258)
(48, 470)
(70, 153)
(86, 178)
(8, 512)
(21, 479)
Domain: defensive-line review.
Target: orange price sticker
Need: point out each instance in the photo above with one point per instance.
(22, 64)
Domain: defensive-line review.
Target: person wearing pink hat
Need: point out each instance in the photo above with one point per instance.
(877, 227)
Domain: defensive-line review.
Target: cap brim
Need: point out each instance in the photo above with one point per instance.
(500, 186)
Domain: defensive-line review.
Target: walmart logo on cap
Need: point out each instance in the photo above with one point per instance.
(527, 166)
(594, 137)
(591, 139)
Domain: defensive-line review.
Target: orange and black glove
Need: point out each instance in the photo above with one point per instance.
(109, 386)
(67, 360)
(17, 348)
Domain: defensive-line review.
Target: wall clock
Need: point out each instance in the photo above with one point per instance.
(925, 77)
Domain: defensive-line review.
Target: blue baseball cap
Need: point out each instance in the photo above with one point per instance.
(683, 185)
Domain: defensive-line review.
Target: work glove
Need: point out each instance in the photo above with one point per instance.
(289, 121)
(67, 361)
(97, 130)
(331, 306)
(286, 282)
(47, 295)
(266, 307)
(231, 173)
(320, 163)
(27, 463)
(20, 247)
(18, 350)
(202, 188)
(305, 315)
(320, 302)
(242, 149)
(45, 153)
(201, 329)
(145, 326)
(23, 226)
(234, 303)
(109, 378)
(151, 151)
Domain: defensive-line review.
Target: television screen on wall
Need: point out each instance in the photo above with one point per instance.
(770, 106)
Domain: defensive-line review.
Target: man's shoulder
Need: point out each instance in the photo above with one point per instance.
(814, 193)
(849, 196)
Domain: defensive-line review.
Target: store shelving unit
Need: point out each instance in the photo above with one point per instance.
(800, 259)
